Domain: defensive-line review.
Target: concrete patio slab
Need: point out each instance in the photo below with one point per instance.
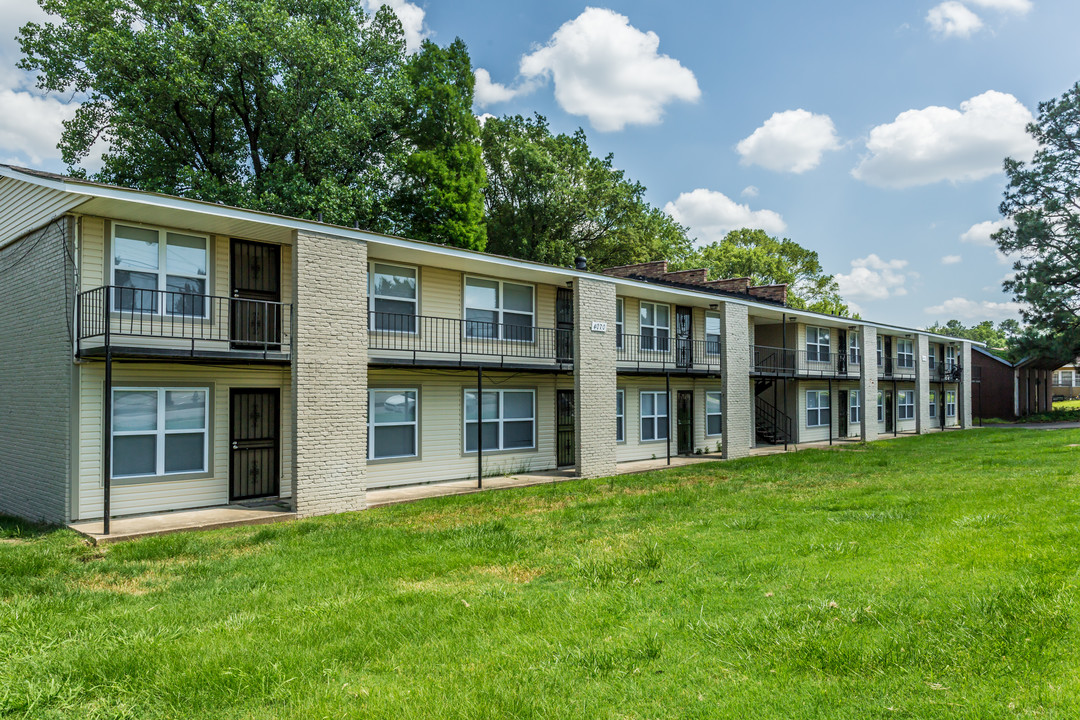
(137, 526)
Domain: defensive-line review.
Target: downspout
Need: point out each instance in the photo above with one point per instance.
(667, 399)
(783, 356)
(479, 427)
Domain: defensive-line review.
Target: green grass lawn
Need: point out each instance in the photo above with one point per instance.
(1067, 405)
(924, 577)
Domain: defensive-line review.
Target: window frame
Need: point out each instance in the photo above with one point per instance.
(620, 322)
(880, 350)
(932, 404)
(371, 424)
(880, 407)
(855, 406)
(373, 297)
(713, 347)
(950, 357)
(905, 405)
(160, 432)
(502, 420)
(499, 311)
(932, 357)
(654, 417)
(654, 338)
(818, 408)
(817, 355)
(854, 347)
(620, 416)
(162, 273)
(950, 403)
(905, 358)
(720, 399)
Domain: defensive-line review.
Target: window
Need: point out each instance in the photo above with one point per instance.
(933, 357)
(817, 408)
(161, 272)
(392, 295)
(950, 358)
(933, 403)
(654, 416)
(817, 344)
(392, 426)
(620, 322)
(906, 407)
(905, 354)
(498, 310)
(880, 350)
(880, 407)
(158, 431)
(854, 407)
(854, 348)
(712, 334)
(1064, 379)
(509, 420)
(620, 416)
(950, 403)
(714, 413)
(655, 326)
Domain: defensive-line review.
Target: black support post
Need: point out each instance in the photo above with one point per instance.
(783, 359)
(479, 427)
(830, 411)
(107, 439)
(667, 399)
(895, 411)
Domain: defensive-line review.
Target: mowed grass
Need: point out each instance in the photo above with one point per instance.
(928, 577)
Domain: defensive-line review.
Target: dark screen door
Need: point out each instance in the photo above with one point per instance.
(255, 272)
(888, 412)
(842, 353)
(684, 355)
(684, 415)
(842, 417)
(564, 427)
(254, 441)
(564, 325)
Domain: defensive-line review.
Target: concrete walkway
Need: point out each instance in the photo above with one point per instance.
(136, 526)
(1038, 426)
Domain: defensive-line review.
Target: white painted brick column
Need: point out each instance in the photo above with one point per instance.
(868, 377)
(922, 384)
(737, 401)
(329, 374)
(965, 385)
(594, 378)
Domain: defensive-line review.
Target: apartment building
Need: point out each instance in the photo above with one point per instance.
(160, 353)
(1065, 381)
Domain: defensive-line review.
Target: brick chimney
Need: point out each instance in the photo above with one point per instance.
(689, 277)
(655, 269)
(734, 285)
(777, 293)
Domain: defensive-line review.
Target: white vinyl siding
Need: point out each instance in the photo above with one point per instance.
(509, 420)
(817, 408)
(500, 310)
(158, 271)
(714, 424)
(654, 416)
(392, 423)
(620, 416)
(906, 405)
(393, 294)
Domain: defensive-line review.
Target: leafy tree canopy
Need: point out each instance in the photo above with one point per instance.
(549, 199)
(301, 107)
(1042, 199)
(769, 260)
(999, 339)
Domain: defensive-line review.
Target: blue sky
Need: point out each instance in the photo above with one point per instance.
(871, 132)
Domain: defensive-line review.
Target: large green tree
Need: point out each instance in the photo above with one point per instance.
(302, 107)
(999, 339)
(1043, 201)
(548, 198)
(768, 260)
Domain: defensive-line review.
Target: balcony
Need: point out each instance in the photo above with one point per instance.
(897, 368)
(789, 362)
(649, 353)
(947, 373)
(162, 324)
(404, 339)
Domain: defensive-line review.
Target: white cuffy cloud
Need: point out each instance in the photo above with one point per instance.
(936, 143)
(711, 215)
(790, 141)
(750, 191)
(979, 234)
(953, 19)
(951, 259)
(960, 308)
(1019, 7)
(602, 68)
(872, 278)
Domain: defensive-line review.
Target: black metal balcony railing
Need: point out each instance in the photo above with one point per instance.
(110, 312)
(946, 373)
(649, 352)
(901, 367)
(766, 360)
(419, 336)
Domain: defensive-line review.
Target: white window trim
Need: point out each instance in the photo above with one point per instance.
(373, 296)
(828, 406)
(498, 311)
(880, 350)
(657, 394)
(950, 403)
(372, 424)
(905, 358)
(162, 270)
(932, 357)
(719, 336)
(819, 346)
(855, 348)
(950, 358)
(905, 410)
(654, 338)
(709, 414)
(880, 407)
(855, 406)
(932, 404)
(161, 432)
(620, 322)
(620, 417)
(500, 420)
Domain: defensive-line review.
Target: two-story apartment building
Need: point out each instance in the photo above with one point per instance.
(158, 353)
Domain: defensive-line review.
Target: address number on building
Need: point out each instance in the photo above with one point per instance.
(599, 327)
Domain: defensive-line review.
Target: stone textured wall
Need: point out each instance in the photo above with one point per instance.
(594, 378)
(737, 401)
(330, 374)
(653, 269)
(36, 374)
(964, 411)
(868, 385)
(922, 384)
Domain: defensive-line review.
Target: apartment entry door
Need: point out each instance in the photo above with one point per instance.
(888, 411)
(684, 340)
(842, 416)
(255, 279)
(684, 415)
(564, 325)
(564, 428)
(254, 441)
